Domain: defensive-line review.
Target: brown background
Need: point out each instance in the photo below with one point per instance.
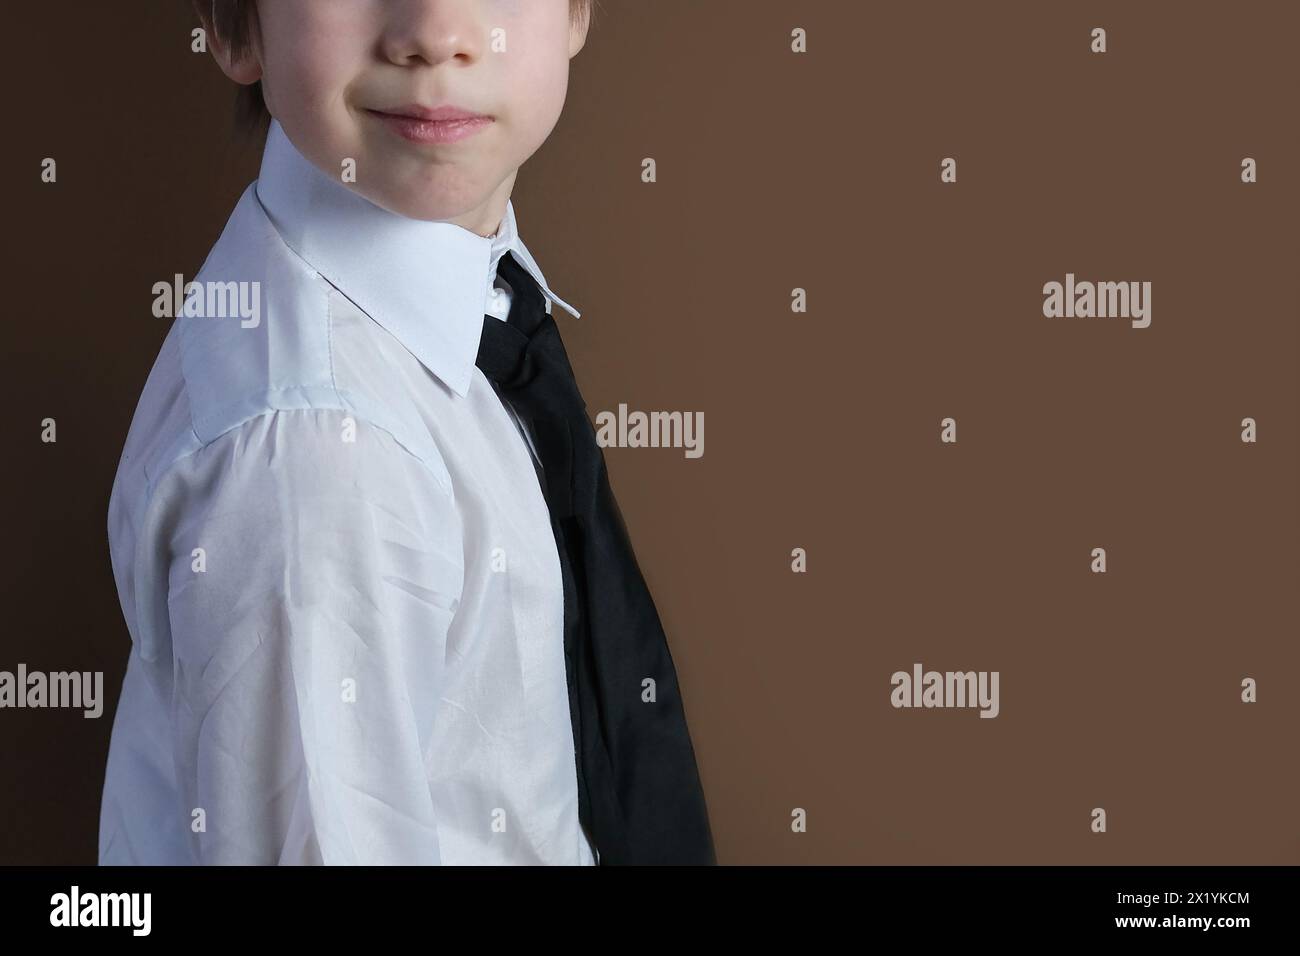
(818, 171)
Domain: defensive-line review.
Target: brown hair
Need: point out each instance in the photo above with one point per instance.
(236, 22)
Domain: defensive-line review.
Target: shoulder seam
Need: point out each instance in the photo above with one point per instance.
(438, 479)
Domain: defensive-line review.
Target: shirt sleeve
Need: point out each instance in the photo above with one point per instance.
(314, 566)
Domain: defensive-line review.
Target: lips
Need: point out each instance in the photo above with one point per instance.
(427, 126)
(439, 114)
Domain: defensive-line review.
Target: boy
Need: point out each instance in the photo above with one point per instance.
(381, 601)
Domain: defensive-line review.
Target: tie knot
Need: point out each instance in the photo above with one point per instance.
(527, 300)
(510, 352)
(507, 356)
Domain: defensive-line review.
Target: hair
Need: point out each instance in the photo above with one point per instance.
(236, 22)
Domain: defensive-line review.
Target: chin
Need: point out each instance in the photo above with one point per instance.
(431, 198)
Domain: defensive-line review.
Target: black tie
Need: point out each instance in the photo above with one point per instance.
(639, 792)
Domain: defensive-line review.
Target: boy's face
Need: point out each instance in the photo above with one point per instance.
(339, 75)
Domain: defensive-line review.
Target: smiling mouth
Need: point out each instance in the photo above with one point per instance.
(425, 126)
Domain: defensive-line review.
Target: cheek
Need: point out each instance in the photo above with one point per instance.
(312, 77)
(312, 55)
(539, 82)
(537, 63)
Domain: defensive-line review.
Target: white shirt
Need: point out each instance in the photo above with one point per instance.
(336, 562)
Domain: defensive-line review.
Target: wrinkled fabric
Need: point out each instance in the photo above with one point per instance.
(339, 577)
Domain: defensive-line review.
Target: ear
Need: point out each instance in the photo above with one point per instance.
(244, 69)
(577, 29)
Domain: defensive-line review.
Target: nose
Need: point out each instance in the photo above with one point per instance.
(431, 31)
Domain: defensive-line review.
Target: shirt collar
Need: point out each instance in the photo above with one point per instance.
(425, 282)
